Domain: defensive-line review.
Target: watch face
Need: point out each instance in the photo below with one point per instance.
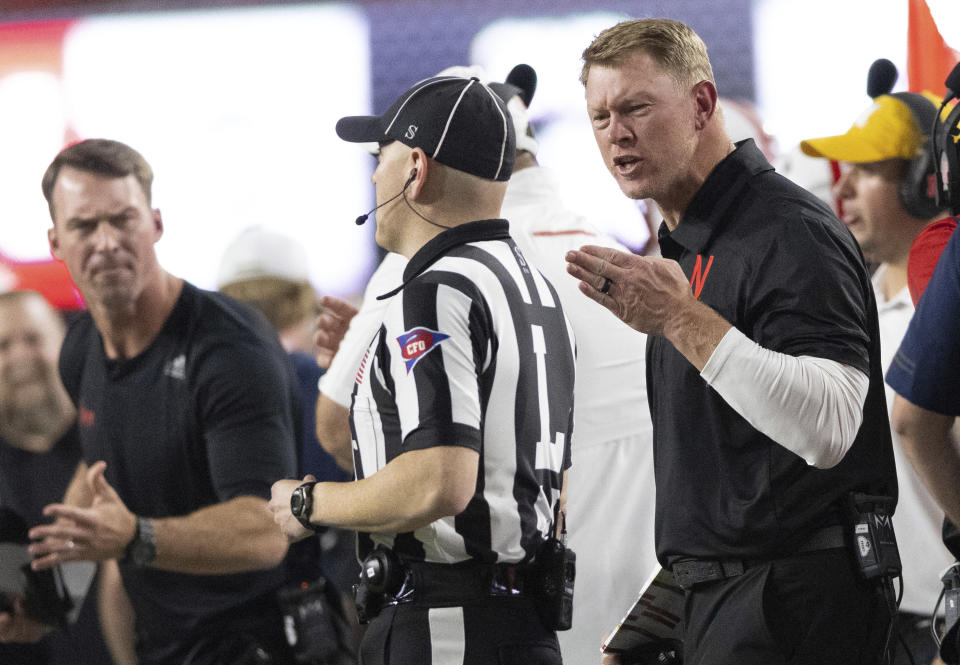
(296, 502)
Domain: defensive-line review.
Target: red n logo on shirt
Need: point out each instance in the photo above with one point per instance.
(699, 275)
(86, 417)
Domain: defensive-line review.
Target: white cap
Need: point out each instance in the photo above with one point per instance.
(257, 252)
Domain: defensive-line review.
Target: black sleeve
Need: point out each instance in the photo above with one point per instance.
(73, 355)
(244, 408)
(810, 295)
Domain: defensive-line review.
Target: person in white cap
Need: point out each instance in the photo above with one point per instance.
(271, 272)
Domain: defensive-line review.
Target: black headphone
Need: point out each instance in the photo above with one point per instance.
(951, 146)
(946, 140)
(918, 188)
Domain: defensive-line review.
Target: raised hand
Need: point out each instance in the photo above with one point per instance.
(97, 533)
(332, 325)
(644, 292)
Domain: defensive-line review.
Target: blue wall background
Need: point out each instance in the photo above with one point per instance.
(413, 39)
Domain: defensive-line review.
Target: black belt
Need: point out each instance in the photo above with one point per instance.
(388, 580)
(441, 584)
(690, 572)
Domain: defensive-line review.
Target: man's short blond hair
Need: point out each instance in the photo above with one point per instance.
(284, 302)
(673, 45)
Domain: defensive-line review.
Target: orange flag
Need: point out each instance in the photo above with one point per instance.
(929, 57)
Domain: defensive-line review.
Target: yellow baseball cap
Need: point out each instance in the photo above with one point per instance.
(886, 130)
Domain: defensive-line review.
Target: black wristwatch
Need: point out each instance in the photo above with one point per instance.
(142, 550)
(301, 505)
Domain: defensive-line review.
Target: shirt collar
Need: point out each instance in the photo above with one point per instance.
(900, 299)
(707, 209)
(439, 245)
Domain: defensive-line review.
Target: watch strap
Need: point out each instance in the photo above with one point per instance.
(142, 550)
(304, 511)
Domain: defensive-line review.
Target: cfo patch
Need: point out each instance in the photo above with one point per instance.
(418, 342)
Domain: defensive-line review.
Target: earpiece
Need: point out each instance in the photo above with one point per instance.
(918, 190)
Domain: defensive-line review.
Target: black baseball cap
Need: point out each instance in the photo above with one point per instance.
(460, 122)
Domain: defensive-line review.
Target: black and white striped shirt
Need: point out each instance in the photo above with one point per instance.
(475, 352)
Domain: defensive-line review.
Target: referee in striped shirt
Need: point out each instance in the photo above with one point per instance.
(462, 410)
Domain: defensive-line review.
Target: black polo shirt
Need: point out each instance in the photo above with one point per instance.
(774, 261)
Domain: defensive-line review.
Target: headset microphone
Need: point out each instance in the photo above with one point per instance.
(359, 221)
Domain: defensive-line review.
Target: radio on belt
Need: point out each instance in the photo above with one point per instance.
(874, 542)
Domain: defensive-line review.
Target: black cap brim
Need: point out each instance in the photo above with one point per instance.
(361, 129)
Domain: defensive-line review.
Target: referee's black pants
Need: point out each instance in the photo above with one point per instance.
(496, 630)
(806, 609)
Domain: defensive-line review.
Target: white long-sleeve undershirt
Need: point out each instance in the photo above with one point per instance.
(811, 406)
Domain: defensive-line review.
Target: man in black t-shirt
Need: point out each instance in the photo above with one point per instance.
(764, 382)
(184, 416)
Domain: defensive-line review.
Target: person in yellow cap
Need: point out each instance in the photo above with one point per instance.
(887, 187)
(887, 195)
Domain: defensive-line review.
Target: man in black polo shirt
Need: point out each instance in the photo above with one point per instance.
(183, 400)
(763, 364)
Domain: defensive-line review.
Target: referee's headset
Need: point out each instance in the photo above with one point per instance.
(363, 218)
